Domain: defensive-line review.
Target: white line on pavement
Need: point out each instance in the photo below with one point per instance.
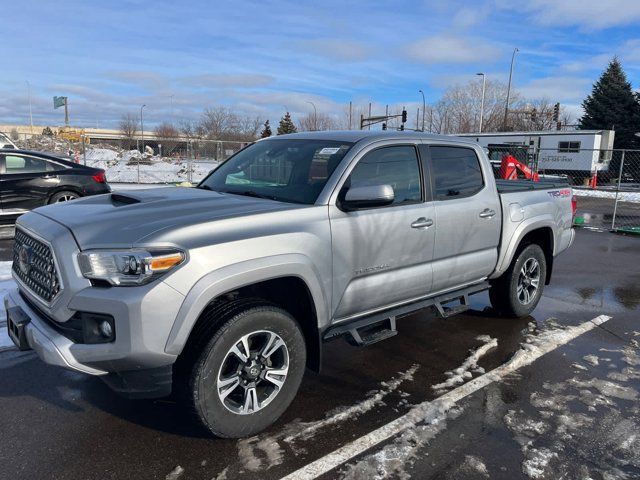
(541, 345)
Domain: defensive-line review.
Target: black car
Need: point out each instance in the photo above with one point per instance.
(31, 179)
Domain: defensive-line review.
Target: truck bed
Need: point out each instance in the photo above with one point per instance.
(510, 186)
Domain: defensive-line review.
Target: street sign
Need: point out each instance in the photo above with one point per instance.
(59, 102)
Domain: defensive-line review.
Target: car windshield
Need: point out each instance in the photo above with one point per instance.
(286, 170)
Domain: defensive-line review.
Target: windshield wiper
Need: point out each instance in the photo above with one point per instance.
(252, 193)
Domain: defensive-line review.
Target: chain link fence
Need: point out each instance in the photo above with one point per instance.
(148, 161)
(605, 182)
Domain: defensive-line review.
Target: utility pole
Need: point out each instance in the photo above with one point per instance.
(350, 107)
(484, 84)
(424, 107)
(506, 106)
(30, 111)
(142, 133)
(171, 100)
(369, 113)
(66, 111)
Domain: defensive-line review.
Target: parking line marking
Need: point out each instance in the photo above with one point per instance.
(548, 341)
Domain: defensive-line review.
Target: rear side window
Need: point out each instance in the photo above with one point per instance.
(456, 172)
(20, 164)
(395, 166)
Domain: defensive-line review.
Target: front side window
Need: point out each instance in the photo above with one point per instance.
(396, 166)
(456, 172)
(24, 164)
(291, 170)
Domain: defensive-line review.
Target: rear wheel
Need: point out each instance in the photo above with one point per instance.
(248, 373)
(63, 196)
(517, 292)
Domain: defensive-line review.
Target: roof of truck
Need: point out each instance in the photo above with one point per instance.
(371, 135)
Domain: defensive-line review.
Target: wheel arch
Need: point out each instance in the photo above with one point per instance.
(64, 188)
(540, 232)
(296, 290)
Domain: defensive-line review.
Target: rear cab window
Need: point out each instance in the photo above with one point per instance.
(456, 172)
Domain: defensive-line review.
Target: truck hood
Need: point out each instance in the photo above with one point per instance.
(124, 217)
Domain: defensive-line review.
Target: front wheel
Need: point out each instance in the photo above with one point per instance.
(517, 292)
(249, 372)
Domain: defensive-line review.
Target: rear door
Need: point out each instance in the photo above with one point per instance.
(25, 182)
(468, 216)
(382, 256)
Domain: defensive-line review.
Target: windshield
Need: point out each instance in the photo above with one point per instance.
(291, 170)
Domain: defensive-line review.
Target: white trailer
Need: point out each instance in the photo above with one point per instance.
(579, 151)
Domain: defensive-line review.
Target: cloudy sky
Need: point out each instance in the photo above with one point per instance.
(261, 57)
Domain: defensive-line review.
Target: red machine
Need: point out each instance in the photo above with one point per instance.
(510, 166)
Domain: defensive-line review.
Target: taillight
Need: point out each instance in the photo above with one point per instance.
(100, 177)
(574, 208)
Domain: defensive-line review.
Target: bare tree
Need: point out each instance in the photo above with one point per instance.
(220, 123)
(128, 128)
(168, 135)
(312, 122)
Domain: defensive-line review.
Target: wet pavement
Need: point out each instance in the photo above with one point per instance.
(572, 413)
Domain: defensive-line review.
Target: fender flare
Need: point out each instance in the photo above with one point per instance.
(527, 226)
(243, 274)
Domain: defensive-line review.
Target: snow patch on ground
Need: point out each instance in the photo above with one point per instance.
(6, 283)
(175, 473)
(465, 371)
(265, 451)
(591, 359)
(561, 440)
(633, 197)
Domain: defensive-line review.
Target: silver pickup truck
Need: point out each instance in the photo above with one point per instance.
(224, 293)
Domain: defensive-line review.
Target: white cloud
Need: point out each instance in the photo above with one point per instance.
(590, 14)
(450, 49)
(560, 88)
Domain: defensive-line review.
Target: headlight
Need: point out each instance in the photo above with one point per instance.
(128, 267)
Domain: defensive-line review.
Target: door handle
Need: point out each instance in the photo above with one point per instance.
(422, 223)
(487, 213)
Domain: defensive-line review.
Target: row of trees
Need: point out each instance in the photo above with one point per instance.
(612, 105)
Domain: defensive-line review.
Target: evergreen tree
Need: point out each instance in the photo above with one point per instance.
(266, 131)
(286, 125)
(613, 105)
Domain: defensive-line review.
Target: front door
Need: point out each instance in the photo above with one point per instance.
(381, 256)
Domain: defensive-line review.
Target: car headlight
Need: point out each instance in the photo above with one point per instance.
(128, 267)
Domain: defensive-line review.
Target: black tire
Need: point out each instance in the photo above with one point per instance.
(506, 298)
(208, 357)
(63, 196)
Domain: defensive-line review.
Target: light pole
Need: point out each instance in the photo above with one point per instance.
(142, 134)
(171, 100)
(506, 106)
(424, 107)
(30, 112)
(484, 84)
(315, 116)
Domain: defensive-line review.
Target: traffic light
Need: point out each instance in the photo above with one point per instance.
(384, 126)
(556, 112)
(404, 116)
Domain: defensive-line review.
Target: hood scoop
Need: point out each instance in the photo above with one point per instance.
(121, 199)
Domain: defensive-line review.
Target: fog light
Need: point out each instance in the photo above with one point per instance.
(106, 330)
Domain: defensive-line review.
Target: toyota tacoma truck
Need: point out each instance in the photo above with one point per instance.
(224, 293)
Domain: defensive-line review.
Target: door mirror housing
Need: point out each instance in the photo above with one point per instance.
(369, 196)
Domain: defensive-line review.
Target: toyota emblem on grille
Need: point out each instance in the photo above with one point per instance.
(24, 258)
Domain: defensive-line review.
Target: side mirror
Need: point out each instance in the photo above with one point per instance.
(368, 197)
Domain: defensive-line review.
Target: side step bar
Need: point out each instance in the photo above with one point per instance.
(382, 325)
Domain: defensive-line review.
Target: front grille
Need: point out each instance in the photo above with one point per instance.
(33, 264)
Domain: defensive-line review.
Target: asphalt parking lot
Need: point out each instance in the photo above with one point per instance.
(566, 407)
